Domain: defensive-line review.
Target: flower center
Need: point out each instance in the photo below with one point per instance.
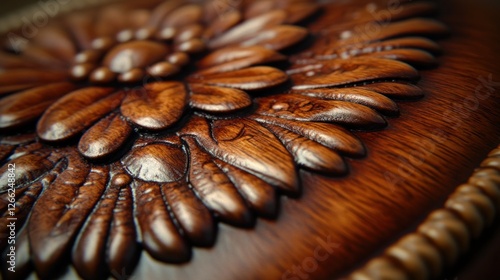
(130, 56)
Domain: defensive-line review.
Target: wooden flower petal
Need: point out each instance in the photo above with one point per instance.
(160, 236)
(247, 145)
(395, 90)
(248, 141)
(416, 8)
(257, 193)
(156, 106)
(19, 139)
(248, 28)
(403, 45)
(24, 203)
(222, 23)
(300, 10)
(235, 58)
(365, 97)
(105, 137)
(247, 79)
(277, 37)
(61, 210)
(329, 135)
(421, 43)
(162, 11)
(26, 106)
(215, 189)
(183, 16)
(194, 218)
(303, 108)
(156, 163)
(88, 254)
(136, 54)
(413, 26)
(77, 111)
(354, 70)
(27, 168)
(123, 246)
(410, 56)
(33, 148)
(218, 99)
(310, 154)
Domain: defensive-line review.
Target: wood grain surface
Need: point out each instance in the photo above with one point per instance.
(283, 141)
(426, 152)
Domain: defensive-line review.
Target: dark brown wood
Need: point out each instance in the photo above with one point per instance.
(157, 137)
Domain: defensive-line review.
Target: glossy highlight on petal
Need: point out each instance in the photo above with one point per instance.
(248, 28)
(155, 106)
(303, 108)
(235, 58)
(252, 78)
(277, 38)
(194, 217)
(136, 54)
(310, 154)
(218, 99)
(105, 137)
(76, 111)
(159, 233)
(340, 72)
(26, 106)
(156, 163)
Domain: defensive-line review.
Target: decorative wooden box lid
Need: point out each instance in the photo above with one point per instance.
(234, 139)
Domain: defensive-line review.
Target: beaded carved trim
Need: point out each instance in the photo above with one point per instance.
(446, 233)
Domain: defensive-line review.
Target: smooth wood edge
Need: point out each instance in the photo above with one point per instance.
(446, 233)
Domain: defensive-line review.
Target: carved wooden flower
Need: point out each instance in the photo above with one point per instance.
(142, 125)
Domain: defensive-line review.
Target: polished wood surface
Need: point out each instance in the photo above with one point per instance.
(297, 151)
(359, 225)
(428, 148)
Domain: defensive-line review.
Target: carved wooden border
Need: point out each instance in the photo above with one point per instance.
(446, 233)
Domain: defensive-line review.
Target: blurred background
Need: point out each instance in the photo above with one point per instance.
(8, 6)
